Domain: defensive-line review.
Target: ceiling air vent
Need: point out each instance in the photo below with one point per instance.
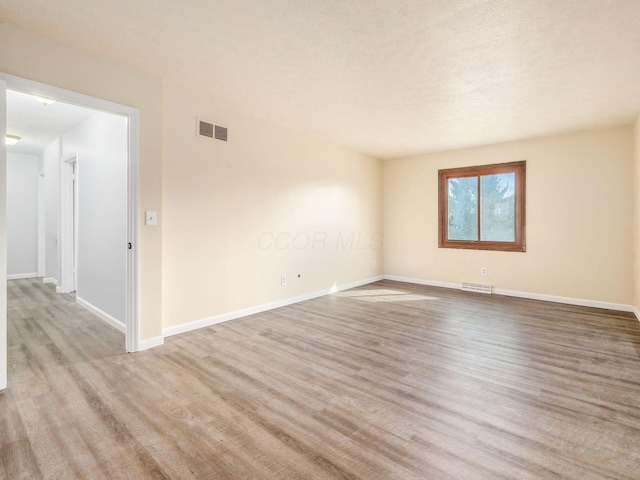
(209, 130)
(476, 287)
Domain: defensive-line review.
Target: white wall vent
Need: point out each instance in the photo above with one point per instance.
(476, 287)
(209, 130)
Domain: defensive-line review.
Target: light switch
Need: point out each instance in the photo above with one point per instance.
(150, 218)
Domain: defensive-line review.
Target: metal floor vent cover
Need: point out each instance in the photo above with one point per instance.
(476, 287)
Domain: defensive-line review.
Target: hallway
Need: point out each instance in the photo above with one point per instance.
(53, 344)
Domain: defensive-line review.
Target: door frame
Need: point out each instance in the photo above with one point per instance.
(3, 236)
(68, 243)
(132, 332)
(41, 220)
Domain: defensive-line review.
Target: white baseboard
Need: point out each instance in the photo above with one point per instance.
(150, 343)
(533, 296)
(636, 313)
(419, 281)
(102, 315)
(621, 307)
(118, 325)
(20, 276)
(50, 280)
(207, 322)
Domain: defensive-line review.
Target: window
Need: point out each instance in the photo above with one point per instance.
(482, 207)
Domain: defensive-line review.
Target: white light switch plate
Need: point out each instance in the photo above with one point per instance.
(150, 218)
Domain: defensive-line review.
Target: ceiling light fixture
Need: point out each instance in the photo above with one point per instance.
(12, 140)
(44, 101)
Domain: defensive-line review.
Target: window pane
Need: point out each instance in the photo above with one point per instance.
(463, 208)
(497, 207)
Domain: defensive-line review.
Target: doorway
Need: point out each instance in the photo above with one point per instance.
(68, 223)
(129, 245)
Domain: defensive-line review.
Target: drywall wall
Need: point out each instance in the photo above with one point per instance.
(239, 214)
(42, 206)
(636, 216)
(41, 59)
(51, 158)
(579, 210)
(100, 145)
(22, 215)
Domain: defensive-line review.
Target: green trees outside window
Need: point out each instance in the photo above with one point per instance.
(483, 207)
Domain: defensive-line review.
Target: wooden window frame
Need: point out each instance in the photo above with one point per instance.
(519, 169)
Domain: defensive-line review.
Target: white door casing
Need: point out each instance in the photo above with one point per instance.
(132, 342)
(3, 236)
(41, 225)
(68, 230)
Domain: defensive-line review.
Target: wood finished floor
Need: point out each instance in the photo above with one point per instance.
(387, 381)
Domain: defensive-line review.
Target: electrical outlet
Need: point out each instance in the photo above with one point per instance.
(375, 263)
(283, 280)
(483, 271)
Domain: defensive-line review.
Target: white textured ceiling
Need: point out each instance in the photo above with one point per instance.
(385, 77)
(38, 125)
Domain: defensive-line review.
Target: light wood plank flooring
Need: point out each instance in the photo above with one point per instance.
(386, 381)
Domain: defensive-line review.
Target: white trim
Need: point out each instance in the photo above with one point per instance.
(150, 343)
(419, 281)
(68, 223)
(50, 280)
(533, 296)
(132, 287)
(40, 236)
(32, 87)
(24, 85)
(224, 317)
(636, 312)
(58, 224)
(101, 314)
(566, 300)
(3, 238)
(19, 276)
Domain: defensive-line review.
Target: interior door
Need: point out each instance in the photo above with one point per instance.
(3, 236)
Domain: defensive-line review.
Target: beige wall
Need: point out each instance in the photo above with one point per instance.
(233, 217)
(268, 202)
(230, 212)
(32, 57)
(579, 206)
(636, 216)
